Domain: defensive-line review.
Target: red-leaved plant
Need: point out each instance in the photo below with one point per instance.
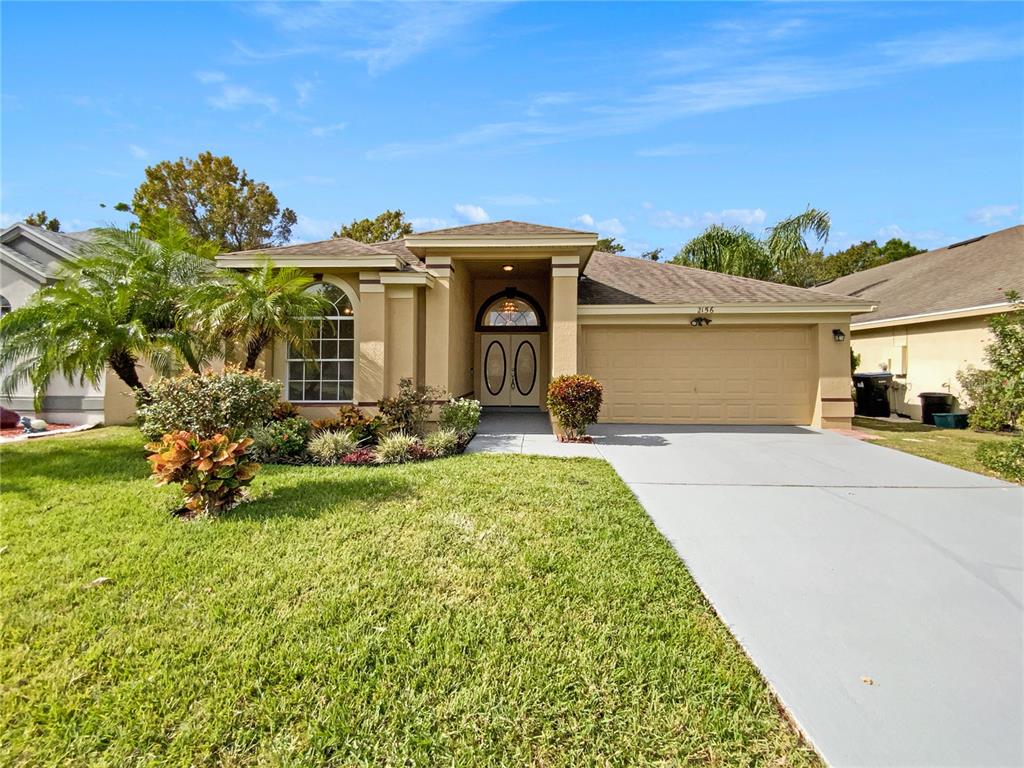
(575, 401)
(213, 472)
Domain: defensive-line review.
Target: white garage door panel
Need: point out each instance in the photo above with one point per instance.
(711, 375)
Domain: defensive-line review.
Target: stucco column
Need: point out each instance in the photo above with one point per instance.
(565, 272)
(438, 321)
(833, 407)
(401, 336)
(372, 322)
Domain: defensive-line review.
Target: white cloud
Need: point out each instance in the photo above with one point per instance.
(6, 219)
(606, 226)
(211, 76)
(671, 220)
(743, 217)
(471, 213)
(918, 237)
(427, 223)
(138, 152)
(992, 214)
(321, 131)
(303, 89)
(307, 229)
(235, 96)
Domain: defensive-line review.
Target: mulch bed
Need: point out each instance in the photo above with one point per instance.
(19, 432)
(580, 439)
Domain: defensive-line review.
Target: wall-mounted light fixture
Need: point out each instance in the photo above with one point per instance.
(699, 322)
(507, 267)
(838, 335)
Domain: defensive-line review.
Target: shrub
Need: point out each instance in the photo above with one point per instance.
(328, 425)
(233, 403)
(443, 442)
(364, 427)
(461, 416)
(213, 471)
(409, 410)
(284, 410)
(986, 398)
(575, 402)
(281, 441)
(1005, 457)
(329, 447)
(359, 456)
(396, 448)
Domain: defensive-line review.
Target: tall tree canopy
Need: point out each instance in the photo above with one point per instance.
(782, 255)
(40, 219)
(215, 201)
(609, 245)
(865, 255)
(388, 225)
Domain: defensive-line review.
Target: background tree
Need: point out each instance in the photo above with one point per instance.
(652, 255)
(865, 255)
(125, 299)
(388, 225)
(215, 201)
(609, 245)
(783, 255)
(40, 219)
(254, 308)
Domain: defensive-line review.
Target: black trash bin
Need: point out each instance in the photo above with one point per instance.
(872, 394)
(934, 402)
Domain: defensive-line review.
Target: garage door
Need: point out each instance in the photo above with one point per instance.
(711, 375)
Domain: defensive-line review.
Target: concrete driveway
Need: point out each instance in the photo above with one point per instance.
(880, 594)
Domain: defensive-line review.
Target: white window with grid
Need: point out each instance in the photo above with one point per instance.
(328, 375)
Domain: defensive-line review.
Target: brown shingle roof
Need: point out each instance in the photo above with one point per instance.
(612, 279)
(975, 273)
(338, 246)
(506, 227)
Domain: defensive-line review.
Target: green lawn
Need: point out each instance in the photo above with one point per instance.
(955, 447)
(473, 611)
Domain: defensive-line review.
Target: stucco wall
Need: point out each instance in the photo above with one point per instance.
(461, 337)
(924, 357)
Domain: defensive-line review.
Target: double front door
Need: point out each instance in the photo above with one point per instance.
(510, 369)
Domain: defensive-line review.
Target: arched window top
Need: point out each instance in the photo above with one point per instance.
(510, 309)
(340, 303)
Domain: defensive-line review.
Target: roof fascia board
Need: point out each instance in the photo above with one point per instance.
(713, 308)
(20, 265)
(933, 317)
(20, 229)
(404, 278)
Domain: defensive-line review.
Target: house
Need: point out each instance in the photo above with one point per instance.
(933, 312)
(30, 257)
(495, 310)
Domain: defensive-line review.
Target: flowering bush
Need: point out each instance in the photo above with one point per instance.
(1005, 457)
(213, 471)
(281, 441)
(575, 402)
(232, 402)
(461, 416)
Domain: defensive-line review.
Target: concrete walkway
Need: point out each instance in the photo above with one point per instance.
(880, 594)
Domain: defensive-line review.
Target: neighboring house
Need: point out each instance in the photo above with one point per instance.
(495, 310)
(933, 312)
(29, 259)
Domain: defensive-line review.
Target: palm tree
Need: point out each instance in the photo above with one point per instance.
(124, 300)
(783, 255)
(255, 307)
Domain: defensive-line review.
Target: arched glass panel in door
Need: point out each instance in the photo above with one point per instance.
(327, 375)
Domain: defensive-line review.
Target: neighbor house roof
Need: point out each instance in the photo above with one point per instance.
(62, 246)
(506, 227)
(612, 279)
(972, 274)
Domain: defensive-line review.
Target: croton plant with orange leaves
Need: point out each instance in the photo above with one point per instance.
(213, 472)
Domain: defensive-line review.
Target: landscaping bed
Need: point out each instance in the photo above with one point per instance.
(476, 610)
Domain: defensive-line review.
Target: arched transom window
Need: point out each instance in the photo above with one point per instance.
(511, 311)
(327, 376)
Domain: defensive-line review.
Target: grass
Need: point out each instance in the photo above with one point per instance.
(955, 447)
(475, 611)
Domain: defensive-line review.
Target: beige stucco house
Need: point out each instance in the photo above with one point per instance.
(933, 312)
(495, 310)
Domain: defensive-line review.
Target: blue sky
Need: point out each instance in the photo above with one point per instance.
(644, 121)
